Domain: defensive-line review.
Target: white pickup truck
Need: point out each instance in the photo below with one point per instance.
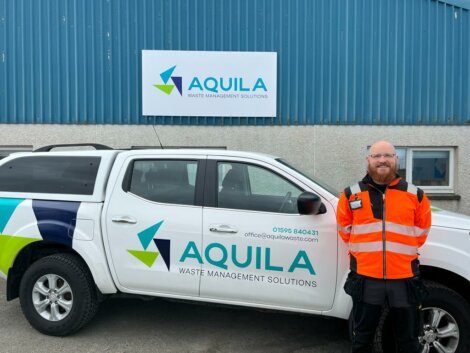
(205, 225)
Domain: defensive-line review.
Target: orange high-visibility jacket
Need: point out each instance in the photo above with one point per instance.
(384, 230)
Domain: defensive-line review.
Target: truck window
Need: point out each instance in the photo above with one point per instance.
(249, 187)
(50, 174)
(321, 183)
(166, 181)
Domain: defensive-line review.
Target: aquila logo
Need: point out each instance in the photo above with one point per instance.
(163, 246)
(168, 88)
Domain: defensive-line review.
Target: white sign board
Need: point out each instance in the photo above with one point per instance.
(195, 83)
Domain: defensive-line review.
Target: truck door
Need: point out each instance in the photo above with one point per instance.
(257, 248)
(154, 210)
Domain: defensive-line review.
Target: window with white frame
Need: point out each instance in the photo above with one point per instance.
(432, 169)
(5, 151)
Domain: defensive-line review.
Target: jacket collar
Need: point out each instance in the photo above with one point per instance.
(368, 180)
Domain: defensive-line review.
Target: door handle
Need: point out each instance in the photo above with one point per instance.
(222, 228)
(124, 219)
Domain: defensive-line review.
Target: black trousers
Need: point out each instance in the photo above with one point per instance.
(367, 312)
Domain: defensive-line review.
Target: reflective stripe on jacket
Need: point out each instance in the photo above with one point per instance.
(384, 230)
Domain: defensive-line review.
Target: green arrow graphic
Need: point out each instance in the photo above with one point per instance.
(147, 257)
(165, 88)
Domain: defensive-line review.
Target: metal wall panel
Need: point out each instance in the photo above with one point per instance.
(339, 62)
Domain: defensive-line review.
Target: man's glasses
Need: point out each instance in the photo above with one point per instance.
(380, 155)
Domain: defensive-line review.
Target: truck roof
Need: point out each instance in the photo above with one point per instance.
(159, 151)
(204, 151)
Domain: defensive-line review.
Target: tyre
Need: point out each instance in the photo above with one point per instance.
(58, 295)
(446, 324)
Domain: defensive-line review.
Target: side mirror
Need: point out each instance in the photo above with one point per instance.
(309, 203)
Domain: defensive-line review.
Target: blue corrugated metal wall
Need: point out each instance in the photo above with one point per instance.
(339, 62)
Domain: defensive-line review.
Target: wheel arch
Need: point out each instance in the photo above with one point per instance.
(447, 278)
(30, 254)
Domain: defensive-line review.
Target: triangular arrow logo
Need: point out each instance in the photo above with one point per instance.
(165, 75)
(147, 235)
(168, 88)
(146, 257)
(163, 245)
(165, 88)
(178, 81)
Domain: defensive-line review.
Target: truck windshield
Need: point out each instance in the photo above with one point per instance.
(324, 185)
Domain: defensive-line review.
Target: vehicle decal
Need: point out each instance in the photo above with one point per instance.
(289, 234)
(10, 246)
(147, 235)
(56, 220)
(148, 257)
(249, 277)
(225, 257)
(7, 207)
(163, 245)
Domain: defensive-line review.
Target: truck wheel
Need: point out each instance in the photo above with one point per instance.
(446, 324)
(58, 295)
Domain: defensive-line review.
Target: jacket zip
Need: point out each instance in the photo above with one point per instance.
(384, 245)
(384, 236)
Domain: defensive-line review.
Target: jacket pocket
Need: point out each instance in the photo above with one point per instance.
(417, 291)
(415, 267)
(354, 286)
(352, 263)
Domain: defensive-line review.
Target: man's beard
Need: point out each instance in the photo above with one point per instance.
(382, 178)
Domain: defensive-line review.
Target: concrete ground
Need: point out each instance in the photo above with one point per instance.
(134, 326)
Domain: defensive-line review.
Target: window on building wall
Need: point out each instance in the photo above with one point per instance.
(432, 169)
(5, 151)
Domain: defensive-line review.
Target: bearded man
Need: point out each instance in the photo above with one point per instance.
(384, 220)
